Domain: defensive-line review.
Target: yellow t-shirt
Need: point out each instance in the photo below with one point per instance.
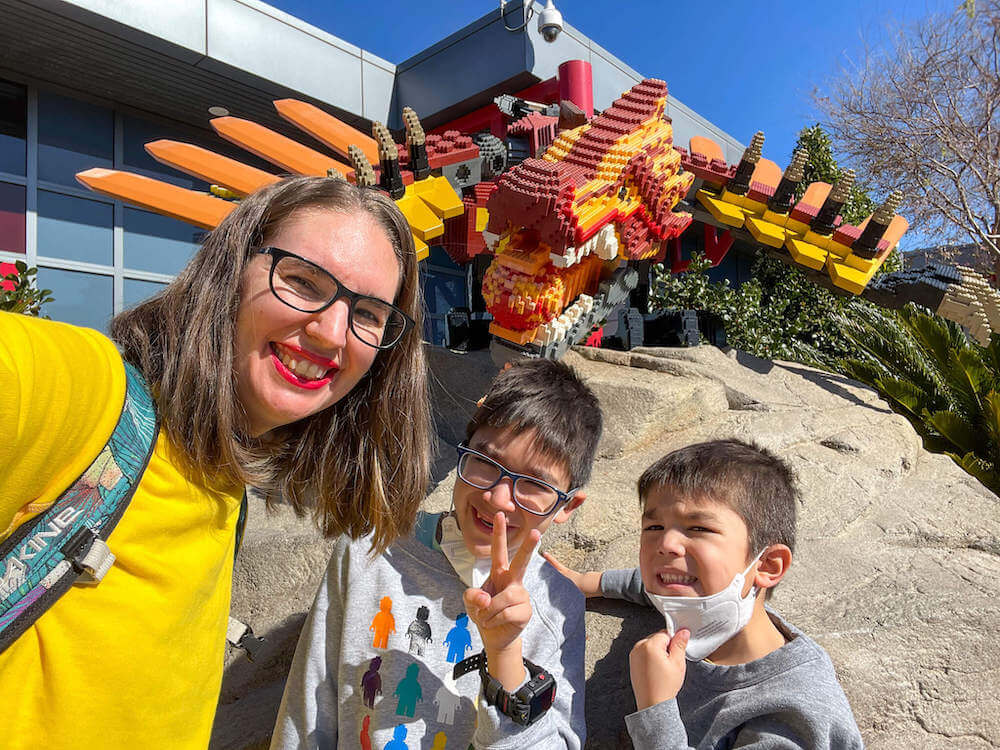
(136, 661)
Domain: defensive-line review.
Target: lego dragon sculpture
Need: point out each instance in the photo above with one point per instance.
(573, 224)
(560, 226)
(566, 228)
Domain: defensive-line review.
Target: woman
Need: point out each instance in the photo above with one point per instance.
(284, 356)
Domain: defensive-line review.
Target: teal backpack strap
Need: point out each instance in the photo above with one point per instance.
(67, 542)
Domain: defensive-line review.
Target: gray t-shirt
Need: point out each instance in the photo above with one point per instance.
(374, 662)
(787, 699)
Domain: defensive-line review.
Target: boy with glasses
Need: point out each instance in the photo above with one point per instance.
(454, 598)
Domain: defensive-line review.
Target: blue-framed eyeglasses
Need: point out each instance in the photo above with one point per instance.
(530, 494)
(305, 286)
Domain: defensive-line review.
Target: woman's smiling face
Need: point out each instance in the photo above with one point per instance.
(291, 364)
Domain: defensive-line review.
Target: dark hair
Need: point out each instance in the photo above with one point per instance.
(755, 483)
(551, 399)
(359, 466)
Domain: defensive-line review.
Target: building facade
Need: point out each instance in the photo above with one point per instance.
(86, 83)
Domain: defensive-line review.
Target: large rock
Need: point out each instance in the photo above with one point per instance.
(896, 571)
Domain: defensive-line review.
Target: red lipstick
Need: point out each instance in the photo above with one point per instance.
(291, 377)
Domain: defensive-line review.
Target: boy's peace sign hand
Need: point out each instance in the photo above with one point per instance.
(501, 609)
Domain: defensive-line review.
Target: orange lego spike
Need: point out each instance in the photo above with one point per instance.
(276, 148)
(767, 173)
(326, 128)
(706, 147)
(210, 167)
(199, 209)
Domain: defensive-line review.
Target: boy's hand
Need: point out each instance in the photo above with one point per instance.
(657, 667)
(501, 609)
(589, 583)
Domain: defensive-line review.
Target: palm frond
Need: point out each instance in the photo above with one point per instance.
(984, 471)
(884, 338)
(958, 431)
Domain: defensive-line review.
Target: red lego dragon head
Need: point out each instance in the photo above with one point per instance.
(602, 193)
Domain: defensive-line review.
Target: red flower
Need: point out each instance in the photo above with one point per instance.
(5, 270)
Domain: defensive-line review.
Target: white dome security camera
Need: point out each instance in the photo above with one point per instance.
(549, 22)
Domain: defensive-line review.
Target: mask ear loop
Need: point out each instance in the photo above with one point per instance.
(754, 588)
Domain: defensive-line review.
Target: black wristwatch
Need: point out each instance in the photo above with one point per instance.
(524, 707)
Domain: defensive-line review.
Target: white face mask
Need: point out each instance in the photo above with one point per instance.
(472, 570)
(711, 620)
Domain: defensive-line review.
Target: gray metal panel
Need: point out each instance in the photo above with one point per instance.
(612, 77)
(88, 62)
(689, 123)
(245, 38)
(377, 81)
(159, 58)
(601, 56)
(274, 14)
(609, 84)
(165, 26)
(462, 66)
(545, 57)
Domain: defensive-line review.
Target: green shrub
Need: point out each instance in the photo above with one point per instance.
(18, 291)
(777, 314)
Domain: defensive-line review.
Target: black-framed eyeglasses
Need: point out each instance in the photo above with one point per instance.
(530, 494)
(310, 288)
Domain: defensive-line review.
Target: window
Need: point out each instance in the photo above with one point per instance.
(12, 238)
(158, 243)
(72, 136)
(444, 287)
(136, 291)
(97, 256)
(136, 134)
(13, 128)
(83, 299)
(75, 228)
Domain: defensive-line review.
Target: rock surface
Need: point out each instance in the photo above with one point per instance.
(896, 571)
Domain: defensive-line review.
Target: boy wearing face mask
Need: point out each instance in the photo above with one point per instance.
(379, 649)
(718, 530)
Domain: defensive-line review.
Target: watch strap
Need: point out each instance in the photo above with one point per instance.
(470, 664)
(517, 705)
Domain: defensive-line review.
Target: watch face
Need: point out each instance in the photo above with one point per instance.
(541, 702)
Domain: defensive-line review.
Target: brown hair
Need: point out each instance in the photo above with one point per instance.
(755, 483)
(551, 399)
(361, 465)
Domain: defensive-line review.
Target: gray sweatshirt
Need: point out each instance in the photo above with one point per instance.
(373, 665)
(787, 699)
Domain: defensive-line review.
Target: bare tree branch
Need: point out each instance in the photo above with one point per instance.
(921, 114)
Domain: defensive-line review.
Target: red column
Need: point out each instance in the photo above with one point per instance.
(576, 84)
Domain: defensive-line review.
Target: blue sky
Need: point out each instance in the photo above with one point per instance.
(744, 66)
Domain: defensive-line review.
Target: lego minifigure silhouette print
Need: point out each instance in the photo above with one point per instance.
(458, 639)
(366, 739)
(409, 692)
(447, 700)
(398, 741)
(419, 632)
(439, 741)
(383, 623)
(371, 683)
